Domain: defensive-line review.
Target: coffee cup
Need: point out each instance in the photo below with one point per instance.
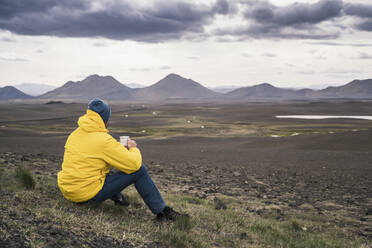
(124, 140)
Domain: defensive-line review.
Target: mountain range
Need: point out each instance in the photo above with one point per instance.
(33, 89)
(10, 92)
(174, 86)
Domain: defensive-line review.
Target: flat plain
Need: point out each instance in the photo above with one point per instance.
(315, 175)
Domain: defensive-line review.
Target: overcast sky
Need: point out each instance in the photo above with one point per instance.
(286, 43)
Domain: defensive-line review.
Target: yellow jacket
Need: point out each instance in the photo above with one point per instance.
(89, 153)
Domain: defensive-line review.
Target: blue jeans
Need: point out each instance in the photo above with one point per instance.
(141, 179)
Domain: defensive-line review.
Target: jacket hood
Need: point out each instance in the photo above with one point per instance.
(92, 122)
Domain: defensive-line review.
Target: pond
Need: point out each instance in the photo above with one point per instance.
(319, 117)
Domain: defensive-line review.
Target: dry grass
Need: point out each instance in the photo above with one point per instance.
(43, 218)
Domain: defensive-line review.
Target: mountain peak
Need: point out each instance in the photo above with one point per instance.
(173, 76)
(267, 85)
(10, 92)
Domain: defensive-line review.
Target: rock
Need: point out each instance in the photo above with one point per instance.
(243, 235)
(236, 173)
(306, 206)
(219, 204)
(369, 211)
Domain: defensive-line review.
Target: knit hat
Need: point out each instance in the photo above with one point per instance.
(101, 108)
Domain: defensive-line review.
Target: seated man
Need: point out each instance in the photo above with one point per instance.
(89, 153)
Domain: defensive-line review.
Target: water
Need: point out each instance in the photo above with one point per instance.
(319, 117)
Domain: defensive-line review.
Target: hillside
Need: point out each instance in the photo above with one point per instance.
(354, 89)
(174, 86)
(264, 90)
(10, 92)
(34, 89)
(105, 87)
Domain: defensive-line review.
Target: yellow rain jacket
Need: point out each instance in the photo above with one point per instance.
(89, 153)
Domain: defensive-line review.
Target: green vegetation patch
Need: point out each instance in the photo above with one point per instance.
(43, 218)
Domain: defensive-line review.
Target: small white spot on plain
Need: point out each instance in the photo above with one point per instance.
(304, 228)
(126, 116)
(154, 113)
(331, 132)
(143, 131)
(355, 130)
(188, 121)
(202, 126)
(275, 136)
(295, 134)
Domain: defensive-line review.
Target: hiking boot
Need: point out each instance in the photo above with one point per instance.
(169, 214)
(120, 200)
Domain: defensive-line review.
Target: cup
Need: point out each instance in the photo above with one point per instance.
(124, 140)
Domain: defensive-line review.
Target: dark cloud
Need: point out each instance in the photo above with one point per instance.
(161, 20)
(294, 14)
(119, 20)
(295, 21)
(363, 12)
(364, 26)
(360, 10)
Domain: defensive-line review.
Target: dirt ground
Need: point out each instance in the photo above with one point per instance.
(318, 166)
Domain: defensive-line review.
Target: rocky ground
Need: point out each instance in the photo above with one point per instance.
(320, 174)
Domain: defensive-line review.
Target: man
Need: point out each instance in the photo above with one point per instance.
(90, 152)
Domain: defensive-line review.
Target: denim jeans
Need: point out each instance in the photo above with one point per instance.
(141, 179)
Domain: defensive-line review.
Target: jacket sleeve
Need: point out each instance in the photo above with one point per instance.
(118, 156)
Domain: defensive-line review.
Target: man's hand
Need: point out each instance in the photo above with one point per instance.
(131, 143)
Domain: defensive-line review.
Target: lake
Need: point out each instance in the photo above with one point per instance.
(319, 117)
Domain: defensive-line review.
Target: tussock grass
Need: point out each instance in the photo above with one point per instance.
(43, 218)
(24, 176)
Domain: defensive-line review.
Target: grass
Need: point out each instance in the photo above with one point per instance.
(25, 177)
(43, 218)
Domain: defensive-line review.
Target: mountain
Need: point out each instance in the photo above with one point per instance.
(174, 86)
(354, 89)
(135, 85)
(265, 91)
(10, 92)
(105, 87)
(34, 89)
(225, 89)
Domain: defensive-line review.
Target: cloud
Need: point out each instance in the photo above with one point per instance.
(162, 20)
(11, 57)
(247, 55)
(99, 44)
(145, 69)
(360, 10)
(154, 21)
(364, 26)
(165, 67)
(364, 56)
(193, 57)
(271, 55)
(339, 44)
(294, 14)
(363, 12)
(295, 21)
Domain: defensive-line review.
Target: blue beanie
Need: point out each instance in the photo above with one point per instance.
(100, 107)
